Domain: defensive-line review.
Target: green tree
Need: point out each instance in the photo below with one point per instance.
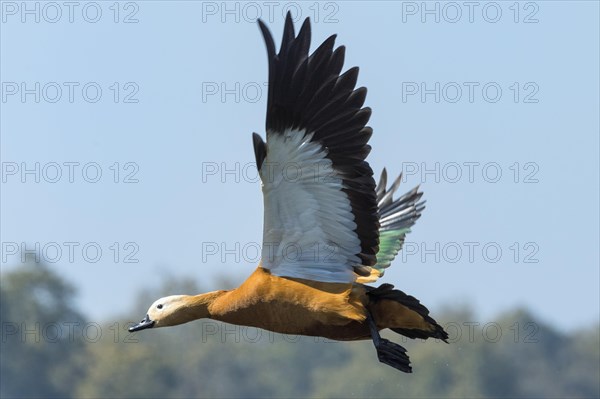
(41, 333)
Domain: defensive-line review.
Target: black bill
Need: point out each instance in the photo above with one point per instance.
(142, 325)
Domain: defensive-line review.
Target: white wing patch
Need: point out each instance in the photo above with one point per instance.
(309, 228)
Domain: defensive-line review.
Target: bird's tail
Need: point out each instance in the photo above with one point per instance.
(402, 313)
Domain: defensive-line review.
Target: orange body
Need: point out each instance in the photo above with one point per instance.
(294, 306)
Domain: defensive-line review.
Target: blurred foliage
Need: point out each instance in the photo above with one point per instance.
(40, 352)
(49, 350)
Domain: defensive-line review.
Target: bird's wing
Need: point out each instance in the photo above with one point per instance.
(396, 217)
(321, 220)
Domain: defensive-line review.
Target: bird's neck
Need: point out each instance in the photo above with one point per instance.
(199, 306)
(223, 305)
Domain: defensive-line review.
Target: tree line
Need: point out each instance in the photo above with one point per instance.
(49, 349)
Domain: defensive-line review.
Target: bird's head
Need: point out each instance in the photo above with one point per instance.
(177, 309)
(167, 311)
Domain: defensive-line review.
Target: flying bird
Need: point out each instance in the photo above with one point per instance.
(328, 230)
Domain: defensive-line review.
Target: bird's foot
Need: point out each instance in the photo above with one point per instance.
(388, 352)
(393, 355)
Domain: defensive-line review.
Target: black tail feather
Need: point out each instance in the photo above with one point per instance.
(387, 291)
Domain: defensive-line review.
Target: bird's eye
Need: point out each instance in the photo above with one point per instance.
(159, 306)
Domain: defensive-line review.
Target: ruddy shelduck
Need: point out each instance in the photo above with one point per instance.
(328, 229)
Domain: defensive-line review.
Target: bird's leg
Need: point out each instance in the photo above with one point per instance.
(388, 352)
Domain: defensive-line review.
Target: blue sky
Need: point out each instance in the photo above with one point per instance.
(492, 108)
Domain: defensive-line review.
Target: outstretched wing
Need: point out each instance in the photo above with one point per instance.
(321, 220)
(396, 217)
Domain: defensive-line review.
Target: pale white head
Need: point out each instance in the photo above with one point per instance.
(166, 311)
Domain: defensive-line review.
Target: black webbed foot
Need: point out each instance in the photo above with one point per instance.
(389, 352)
